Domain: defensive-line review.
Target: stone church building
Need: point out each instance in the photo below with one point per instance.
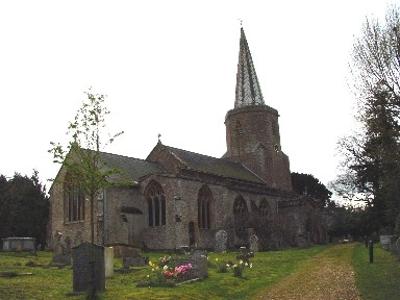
(181, 198)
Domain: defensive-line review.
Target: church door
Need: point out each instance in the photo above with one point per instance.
(192, 237)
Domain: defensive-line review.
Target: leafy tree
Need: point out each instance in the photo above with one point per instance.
(82, 157)
(372, 156)
(24, 207)
(306, 184)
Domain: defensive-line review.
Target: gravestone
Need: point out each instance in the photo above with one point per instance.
(198, 260)
(88, 268)
(254, 243)
(123, 250)
(134, 261)
(386, 241)
(396, 247)
(199, 263)
(108, 261)
(221, 239)
(62, 253)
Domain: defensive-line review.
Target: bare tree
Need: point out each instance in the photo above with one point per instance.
(82, 156)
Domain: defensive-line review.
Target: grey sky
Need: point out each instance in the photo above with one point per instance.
(169, 67)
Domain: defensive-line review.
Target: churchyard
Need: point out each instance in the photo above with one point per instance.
(319, 268)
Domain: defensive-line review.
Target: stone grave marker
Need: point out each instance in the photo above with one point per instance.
(198, 260)
(221, 239)
(62, 254)
(200, 264)
(254, 246)
(385, 241)
(88, 268)
(109, 261)
(133, 257)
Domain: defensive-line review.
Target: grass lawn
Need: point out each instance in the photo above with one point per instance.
(54, 283)
(380, 280)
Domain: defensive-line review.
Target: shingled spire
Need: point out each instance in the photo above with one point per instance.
(248, 91)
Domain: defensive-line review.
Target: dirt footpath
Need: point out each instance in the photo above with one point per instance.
(327, 276)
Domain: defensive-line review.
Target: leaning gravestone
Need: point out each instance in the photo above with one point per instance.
(88, 268)
(254, 243)
(221, 239)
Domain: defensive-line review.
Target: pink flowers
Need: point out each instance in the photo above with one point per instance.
(178, 270)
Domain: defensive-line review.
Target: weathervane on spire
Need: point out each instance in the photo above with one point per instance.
(159, 137)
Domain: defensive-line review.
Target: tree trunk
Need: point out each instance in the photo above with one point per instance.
(92, 221)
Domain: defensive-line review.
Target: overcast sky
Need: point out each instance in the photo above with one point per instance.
(169, 67)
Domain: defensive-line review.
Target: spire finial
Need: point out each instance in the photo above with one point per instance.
(241, 22)
(159, 138)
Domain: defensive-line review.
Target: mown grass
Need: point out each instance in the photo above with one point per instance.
(54, 283)
(379, 280)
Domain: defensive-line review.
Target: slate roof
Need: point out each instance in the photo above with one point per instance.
(131, 168)
(212, 165)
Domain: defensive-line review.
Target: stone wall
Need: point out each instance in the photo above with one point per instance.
(72, 233)
(182, 201)
(274, 231)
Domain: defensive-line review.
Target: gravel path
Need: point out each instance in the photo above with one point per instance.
(327, 276)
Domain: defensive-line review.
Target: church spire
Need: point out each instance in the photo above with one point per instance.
(248, 91)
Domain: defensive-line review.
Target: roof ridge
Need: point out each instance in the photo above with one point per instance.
(218, 158)
(130, 157)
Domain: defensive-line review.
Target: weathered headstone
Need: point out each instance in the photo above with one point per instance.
(123, 250)
(198, 260)
(134, 261)
(88, 268)
(254, 243)
(109, 261)
(396, 247)
(221, 239)
(62, 254)
(385, 241)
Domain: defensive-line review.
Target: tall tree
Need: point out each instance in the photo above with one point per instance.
(24, 207)
(309, 185)
(82, 157)
(372, 156)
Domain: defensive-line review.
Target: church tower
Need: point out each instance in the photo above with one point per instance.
(252, 129)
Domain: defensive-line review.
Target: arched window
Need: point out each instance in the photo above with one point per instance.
(240, 207)
(264, 207)
(240, 213)
(156, 207)
(74, 201)
(204, 201)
